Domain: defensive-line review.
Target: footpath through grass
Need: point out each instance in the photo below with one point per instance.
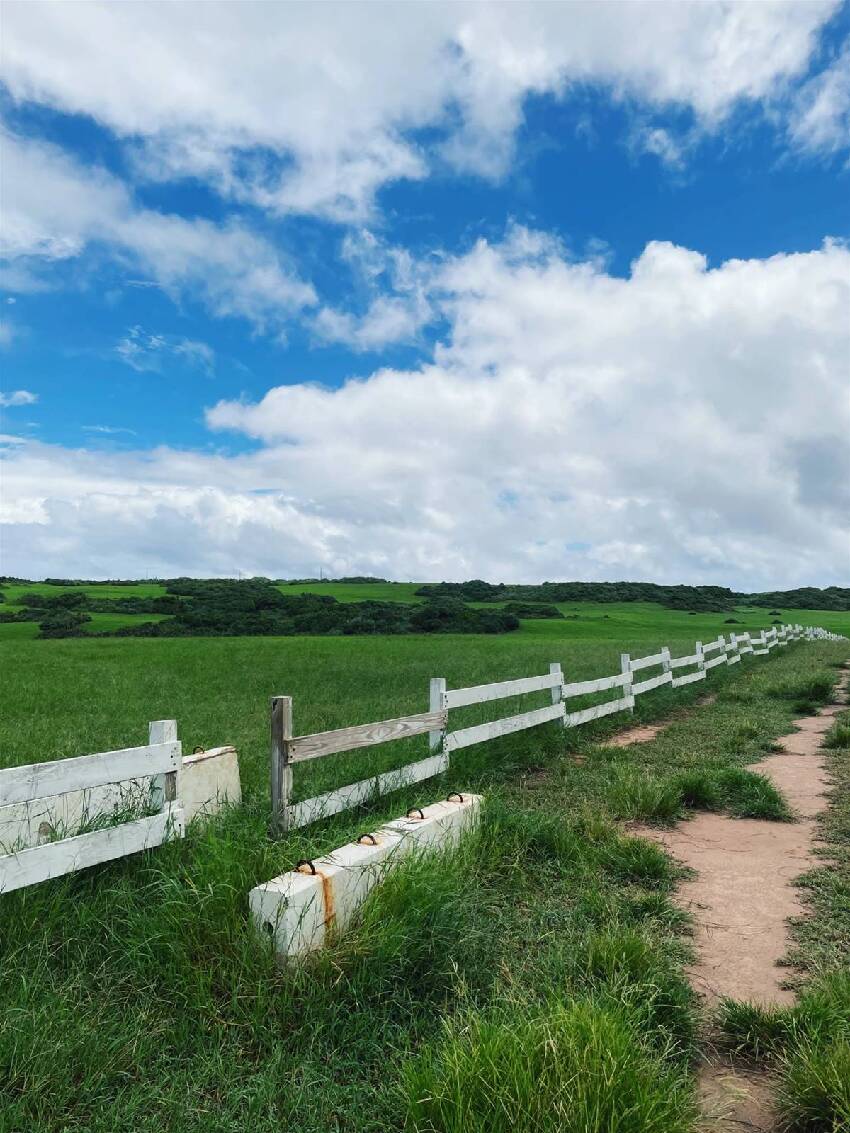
(531, 981)
(808, 1045)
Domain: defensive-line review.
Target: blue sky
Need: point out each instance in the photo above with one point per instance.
(446, 206)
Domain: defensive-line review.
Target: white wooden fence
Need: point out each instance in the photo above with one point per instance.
(39, 800)
(287, 749)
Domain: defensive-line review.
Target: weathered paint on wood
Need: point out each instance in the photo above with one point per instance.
(54, 859)
(647, 662)
(437, 703)
(36, 780)
(653, 682)
(581, 688)
(573, 719)
(712, 645)
(164, 787)
(355, 794)
(364, 735)
(464, 737)
(689, 678)
(280, 726)
(479, 694)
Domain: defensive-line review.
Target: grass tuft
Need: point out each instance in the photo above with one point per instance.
(634, 794)
(814, 1095)
(568, 1068)
(838, 735)
(749, 795)
(812, 689)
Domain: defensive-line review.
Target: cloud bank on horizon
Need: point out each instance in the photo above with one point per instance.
(452, 292)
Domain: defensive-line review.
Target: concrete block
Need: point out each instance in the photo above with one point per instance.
(207, 781)
(301, 909)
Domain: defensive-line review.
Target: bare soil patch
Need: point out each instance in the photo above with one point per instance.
(735, 1099)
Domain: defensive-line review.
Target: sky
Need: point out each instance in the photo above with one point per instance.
(426, 291)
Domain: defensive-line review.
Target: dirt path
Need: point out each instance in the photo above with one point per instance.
(740, 900)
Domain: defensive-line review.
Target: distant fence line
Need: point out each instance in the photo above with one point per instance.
(288, 749)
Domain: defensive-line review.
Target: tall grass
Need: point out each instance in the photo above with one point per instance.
(570, 1067)
(136, 996)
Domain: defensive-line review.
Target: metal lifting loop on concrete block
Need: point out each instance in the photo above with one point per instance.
(198, 750)
(366, 840)
(299, 866)
(419, 813)
(452, 795)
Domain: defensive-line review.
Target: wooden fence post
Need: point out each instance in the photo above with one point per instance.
(626, 670)
(557, 691)
(281, 734)
(665, 659)
(700, 657)
(436, 703)
(163, 787)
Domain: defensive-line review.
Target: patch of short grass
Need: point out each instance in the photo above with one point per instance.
(838, 735)
(815, 688)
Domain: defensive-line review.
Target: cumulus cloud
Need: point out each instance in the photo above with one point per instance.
(685, 423)
(53, 208)
(397, 289)
(312, 108)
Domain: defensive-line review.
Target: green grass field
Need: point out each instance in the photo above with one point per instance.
(135, 995)
(13, 590)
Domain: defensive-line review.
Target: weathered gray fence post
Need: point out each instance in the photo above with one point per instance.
(700, 657)
(281, 734)
(436, 703)
(626, 670)
(557, 691)
(163, 787)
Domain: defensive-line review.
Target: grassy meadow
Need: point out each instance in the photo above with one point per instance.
(533, 980)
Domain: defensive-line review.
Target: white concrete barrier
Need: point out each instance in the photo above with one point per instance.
(207, 781)
(302, 908)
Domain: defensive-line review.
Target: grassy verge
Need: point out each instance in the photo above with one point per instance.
(809, 1044)
(545, 950)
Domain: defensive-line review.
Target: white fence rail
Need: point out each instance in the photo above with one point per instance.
(288, 749)
(41, 800)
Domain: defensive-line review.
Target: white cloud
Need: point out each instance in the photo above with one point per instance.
(682, 424)
(389, 318)
(312, 108)
(17, 397)
(147, 352)
(821, 121)
(53, 208)
(109, 430)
